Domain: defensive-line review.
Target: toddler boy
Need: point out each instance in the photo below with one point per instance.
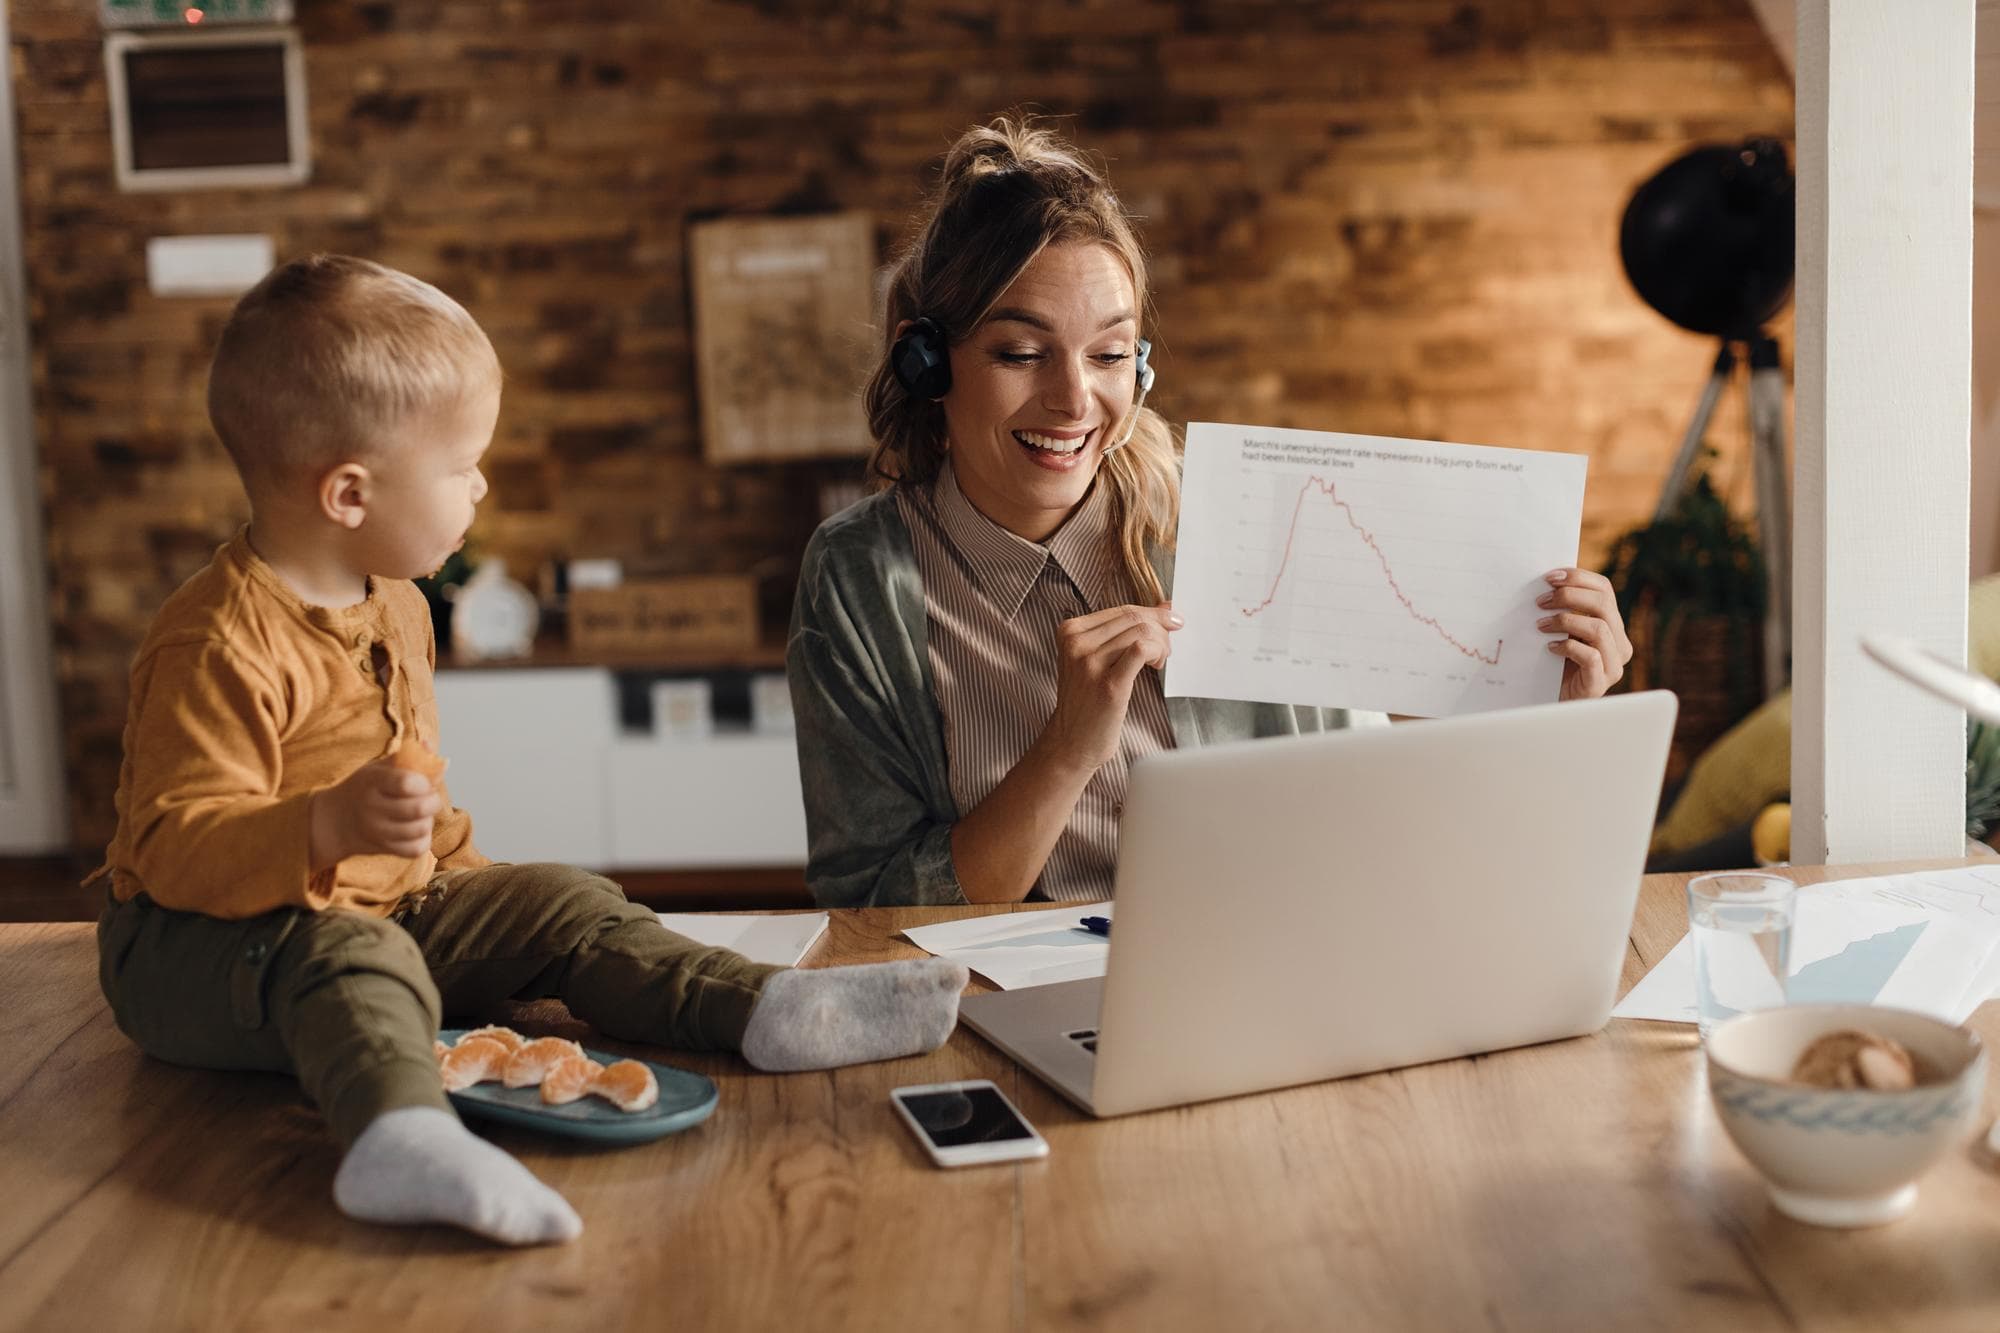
(282, 896)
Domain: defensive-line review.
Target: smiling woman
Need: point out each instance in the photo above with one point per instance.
(975, 649)
(1041, 384)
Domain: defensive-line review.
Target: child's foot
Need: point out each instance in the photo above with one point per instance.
(419, 1164)
(849, 1015)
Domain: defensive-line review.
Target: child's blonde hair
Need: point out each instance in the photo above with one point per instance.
(327, 354)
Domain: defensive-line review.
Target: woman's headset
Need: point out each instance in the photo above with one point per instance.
(921, 362)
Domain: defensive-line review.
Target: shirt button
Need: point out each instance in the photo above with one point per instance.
(255, 953)
(361, 638)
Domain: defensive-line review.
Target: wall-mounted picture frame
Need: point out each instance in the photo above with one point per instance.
(785, 335)
(219, 109)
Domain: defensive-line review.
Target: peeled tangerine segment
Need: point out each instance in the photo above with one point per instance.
(473, 1060)
(533, 1061)
(564, 1072)
(628, 1085)
(507, 1037)
(417, 757)
(569, 1079)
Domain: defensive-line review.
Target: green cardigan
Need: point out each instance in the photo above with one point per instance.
(879, 809)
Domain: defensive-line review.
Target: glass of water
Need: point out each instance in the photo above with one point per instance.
(1742, 928)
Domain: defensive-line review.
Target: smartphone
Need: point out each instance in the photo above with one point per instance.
(968, 1123)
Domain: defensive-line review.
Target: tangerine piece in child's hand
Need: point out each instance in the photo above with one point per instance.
(416, 757)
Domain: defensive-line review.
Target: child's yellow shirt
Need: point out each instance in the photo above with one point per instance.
(246, 701)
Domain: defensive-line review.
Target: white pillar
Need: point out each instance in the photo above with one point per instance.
(32, 804)
(1884, 418)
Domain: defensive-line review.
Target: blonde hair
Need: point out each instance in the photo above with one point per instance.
(327, 354)
(1009, 191)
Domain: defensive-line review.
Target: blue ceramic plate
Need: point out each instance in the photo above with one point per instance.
(685, 1099)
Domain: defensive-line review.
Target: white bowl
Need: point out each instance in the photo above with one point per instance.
(1836, 1157)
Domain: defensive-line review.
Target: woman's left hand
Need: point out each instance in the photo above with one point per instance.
(1581, 605)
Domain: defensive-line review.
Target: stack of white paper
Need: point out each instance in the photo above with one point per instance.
(1928, 941)
(782, 939)
(1017, 949)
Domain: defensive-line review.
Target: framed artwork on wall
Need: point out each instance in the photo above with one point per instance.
(785, 335)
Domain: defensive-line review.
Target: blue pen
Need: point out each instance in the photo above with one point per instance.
(1096, 925)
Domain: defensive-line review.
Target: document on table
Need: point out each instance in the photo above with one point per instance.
(781, 939)
(1924, 941)
(1971, 895)
(1019, 949)
(1358, 571)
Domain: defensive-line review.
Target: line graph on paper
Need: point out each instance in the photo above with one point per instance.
(1315, 487)
(1365, 572)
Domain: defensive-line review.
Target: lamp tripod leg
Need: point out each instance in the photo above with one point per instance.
(1697, 428)
(1774, 507)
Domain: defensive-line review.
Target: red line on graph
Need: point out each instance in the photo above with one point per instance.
(1326, 488)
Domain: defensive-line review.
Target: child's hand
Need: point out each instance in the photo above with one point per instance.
(378, 809)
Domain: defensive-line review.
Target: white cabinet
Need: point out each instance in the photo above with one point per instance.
(731, 799)
(527, 754)
(538, 759)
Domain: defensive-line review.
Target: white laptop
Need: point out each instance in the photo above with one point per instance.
(1307, 908)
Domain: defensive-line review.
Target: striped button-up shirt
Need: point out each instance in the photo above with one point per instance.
(995, 601)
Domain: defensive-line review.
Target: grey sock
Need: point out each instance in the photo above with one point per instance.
(848, 1015)
(419, 1164)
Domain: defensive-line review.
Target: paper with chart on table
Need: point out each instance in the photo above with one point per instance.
(1358, 571)
(1928, 940)
(1020, 949)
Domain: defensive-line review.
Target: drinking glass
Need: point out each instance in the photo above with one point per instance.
(1742, 928)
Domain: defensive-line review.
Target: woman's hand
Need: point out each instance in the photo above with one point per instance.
(1581, 605)
(1098, 658)
(1000, 847)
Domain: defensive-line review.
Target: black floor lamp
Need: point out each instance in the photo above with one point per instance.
(1707, 241)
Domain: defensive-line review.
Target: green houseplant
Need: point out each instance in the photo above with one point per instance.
(1691, 589)
(439, 588)
(1982, 778)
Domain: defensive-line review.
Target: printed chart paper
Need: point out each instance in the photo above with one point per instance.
(1855, 942)
(1358, 571)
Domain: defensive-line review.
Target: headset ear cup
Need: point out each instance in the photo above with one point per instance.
(921, 361)
(1143, 355)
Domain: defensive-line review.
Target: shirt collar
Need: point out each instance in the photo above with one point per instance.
(1005, 565)
(371, 613)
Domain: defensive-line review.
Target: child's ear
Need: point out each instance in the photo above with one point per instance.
(343, 495)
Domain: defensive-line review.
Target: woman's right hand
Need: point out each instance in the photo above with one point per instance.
(1098, 657)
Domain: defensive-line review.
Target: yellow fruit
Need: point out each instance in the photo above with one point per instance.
(1771, 834)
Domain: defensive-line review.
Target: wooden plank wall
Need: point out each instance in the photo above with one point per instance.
(1392, 216)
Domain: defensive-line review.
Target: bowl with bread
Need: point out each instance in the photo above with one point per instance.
(1841, 1107)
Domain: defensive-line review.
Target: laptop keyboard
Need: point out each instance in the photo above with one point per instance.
(1084, 1037)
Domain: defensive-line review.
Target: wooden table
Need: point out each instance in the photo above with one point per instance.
(1580, 1185)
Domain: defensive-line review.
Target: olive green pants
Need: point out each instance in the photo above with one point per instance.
(350, 1004)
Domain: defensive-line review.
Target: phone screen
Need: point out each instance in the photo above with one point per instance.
(971, 1115)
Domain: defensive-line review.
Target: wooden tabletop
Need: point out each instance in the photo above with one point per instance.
(1579, 1185)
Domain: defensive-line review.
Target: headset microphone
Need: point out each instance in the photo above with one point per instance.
(1141, 353)
(921, 362)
